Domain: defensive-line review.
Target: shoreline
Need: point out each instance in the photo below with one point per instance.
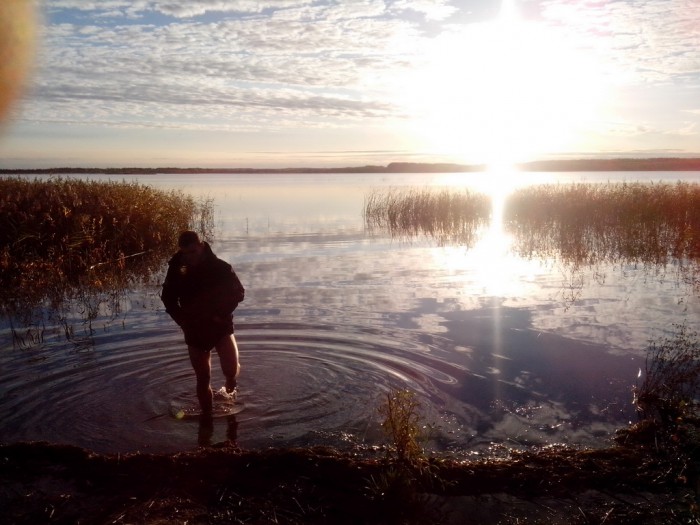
(631, 481)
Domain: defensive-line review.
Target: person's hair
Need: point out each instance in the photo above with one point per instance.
(188, 238)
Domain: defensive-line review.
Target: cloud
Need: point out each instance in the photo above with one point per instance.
(646, 40)
(86, 5)
(688, 129)
(195, 8)
(257, 65)
(175, 9)
(432, 9)
(304, 64)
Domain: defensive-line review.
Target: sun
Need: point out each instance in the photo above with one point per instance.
(501, 92)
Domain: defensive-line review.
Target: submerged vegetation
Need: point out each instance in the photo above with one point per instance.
(649, 474)
(68, 244)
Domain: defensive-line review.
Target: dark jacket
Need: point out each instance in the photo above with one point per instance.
(202, 298)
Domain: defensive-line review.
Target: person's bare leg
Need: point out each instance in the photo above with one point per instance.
(201, 363)
(228, 357)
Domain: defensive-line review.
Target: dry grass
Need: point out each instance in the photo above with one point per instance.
(72, 242)
(656, 226)
(629, 222)
(401, 423)
(445, 215)
(637, 484)
(670, 388)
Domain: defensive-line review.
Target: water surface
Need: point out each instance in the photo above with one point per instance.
(499, 348)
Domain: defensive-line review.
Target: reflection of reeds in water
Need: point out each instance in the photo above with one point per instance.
(71, 245)
(653, 225)
(579, 224)
(449, 217)
(588, 223)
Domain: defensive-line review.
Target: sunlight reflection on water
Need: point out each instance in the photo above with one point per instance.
(335, 316)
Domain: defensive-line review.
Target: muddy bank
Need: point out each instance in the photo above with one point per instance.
(628, 483)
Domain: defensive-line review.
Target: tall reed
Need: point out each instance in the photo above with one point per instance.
(442, 214)
(626, 222)
(64, 240)
(655, 225)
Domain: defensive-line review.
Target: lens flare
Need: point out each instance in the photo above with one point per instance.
(18, 33)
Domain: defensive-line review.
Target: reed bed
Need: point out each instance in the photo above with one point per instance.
(442, 214)
(67, 240)
(627, 222)
(655, 225)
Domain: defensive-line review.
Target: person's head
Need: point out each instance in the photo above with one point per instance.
(191, 247)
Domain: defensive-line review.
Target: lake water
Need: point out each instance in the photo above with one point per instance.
(500, 350)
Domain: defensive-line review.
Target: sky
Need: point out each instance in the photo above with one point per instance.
(324, 83)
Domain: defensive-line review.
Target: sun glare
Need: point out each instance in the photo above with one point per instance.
(504, 91)
(490, 267)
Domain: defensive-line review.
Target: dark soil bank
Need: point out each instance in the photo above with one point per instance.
(628, 483)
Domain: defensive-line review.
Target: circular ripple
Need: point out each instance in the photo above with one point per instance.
(297, 380)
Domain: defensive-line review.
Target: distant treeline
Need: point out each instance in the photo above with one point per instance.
(657, 164)
(653, 164)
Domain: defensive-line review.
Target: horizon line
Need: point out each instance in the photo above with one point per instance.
(582, 164)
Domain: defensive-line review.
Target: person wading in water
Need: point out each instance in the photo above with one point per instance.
(200, 293)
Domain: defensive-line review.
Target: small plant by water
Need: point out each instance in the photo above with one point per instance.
(72, 246)
(670, 389)
(402, 426)
(400, 489)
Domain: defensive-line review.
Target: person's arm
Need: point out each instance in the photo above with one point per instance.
(170, 296)
(238, 292)
(230, 294)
